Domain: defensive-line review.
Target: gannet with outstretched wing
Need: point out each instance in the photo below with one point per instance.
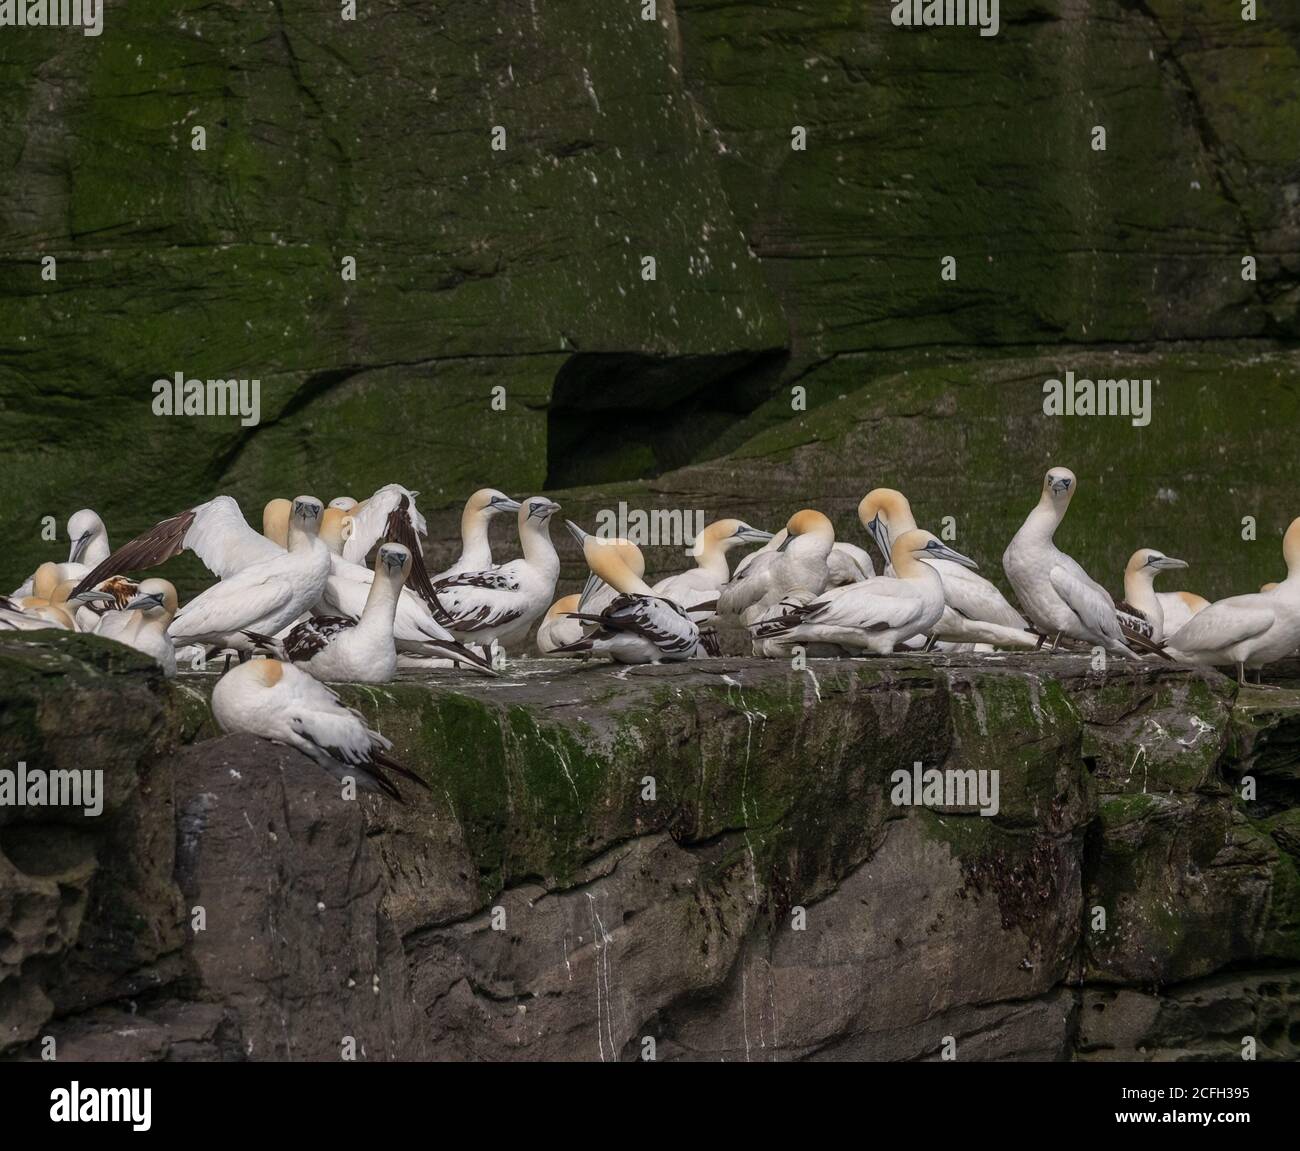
(1060, 598)
(499, 605)
(277, 701)
(1249, 631)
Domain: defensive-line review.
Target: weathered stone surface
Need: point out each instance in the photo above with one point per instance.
(534, 903)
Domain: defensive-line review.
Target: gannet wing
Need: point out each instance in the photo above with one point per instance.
(234, 604)
(747, 588)
(1087, 599)
(848, 564)
(473, 601)
(977, 598)
(314, 635)
(400, 528)
(1222, 624)
(660, 621)
(370, 522)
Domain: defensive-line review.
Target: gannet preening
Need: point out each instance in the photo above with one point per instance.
(263, 597)
(799, 561)
(1143, 609)
(975, 611)
(498, 605)
(372, 522)
(88, 545)
(475, 547)
(1249, 631)
(33, 614)
(637, 626)
(277, 701)
(1059, 597)
(701, 583)
(142, 623)
(596, 594)
(557, 628)
(875, 614)
(847, 563)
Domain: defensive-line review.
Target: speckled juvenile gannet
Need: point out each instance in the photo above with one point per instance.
(975, 611)
(263, 597)
(1143, 610)
(1249, 631)
(475, 546)
(875, 614)
(637, 626)
(701, 583)
(277, 701)
(143, 623)
(557, 628)
(499, 605)
(1060, 598)
(800, 561)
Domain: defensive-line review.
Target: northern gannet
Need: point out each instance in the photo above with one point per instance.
(975, 611)
(637, 626)
(557, 628)
(475, 546)
(1143, 609)
(265, 596)
(33, 614)
(142, 623)
(372, 522)
(847, 563)
(498, 605)
(701, 583)
(1059, 597)
(1249, 631)
(799, 561)
(875, 614)
(277, 701)
(596, 594)
(88, 546)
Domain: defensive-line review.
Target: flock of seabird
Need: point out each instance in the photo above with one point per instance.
(341, 594)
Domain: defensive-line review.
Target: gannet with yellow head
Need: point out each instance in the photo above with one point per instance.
(557, 628)
(1143, 609)
(701, 583)
(143, 623)
(876, 614)
(1248, 631)
(475, 546)
(1059, 597)
(799, 561)
(280, 702)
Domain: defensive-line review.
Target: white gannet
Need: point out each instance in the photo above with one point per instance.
(372, 522)
(142, 623)
(1179, 606)
(1059, 597)
(265, 596)
(701, 583)
(1142, 610)
(498, 605)
(557, 627)
(799, 561)
(1249, 631)
(475, 547)
(975, 611)
(277, 701)
(875, 614)
(32, 613)
(347, 650)
(596, 594)
(847, 563)
(637, 626)
(88, 546)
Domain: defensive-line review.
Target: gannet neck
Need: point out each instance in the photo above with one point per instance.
(608, 564)
(1139, 586)
(1291, 549)
(711, 548)
(275, 521)
(535, 536)
(336, 528)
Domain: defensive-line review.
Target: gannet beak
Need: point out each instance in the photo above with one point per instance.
(589, 589)
(541, 509)
(877, 530)
(503, 504)
(576, 532)
(78, 546)
(944, 552)
(1168, 563)
(752, 535)
(92, 595)
(785, 543)
(145, 601)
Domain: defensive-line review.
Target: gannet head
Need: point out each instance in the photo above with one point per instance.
(336, 528)
(488, 502)
(393, 561)
(156, 598)
(344, 503)
(1152, 561)
(808, 522)
(922, 545)
(264, 672)
(563, 606)
(885, 513)
(1291, 548)
(1058, 486)
(83, 526)
(275, 521)
(537, 510)
(307, 513)
(730, 533)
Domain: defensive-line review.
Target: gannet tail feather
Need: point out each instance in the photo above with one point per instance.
(399, 530)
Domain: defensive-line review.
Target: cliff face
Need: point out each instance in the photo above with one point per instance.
(707, 857)
(522, 269)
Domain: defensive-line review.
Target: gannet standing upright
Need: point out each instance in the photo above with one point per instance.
(263, 597)
(975, 611)
(1058, 595)
(499, 605)
(475, 546)
(874, 614)
(700, 583)
(1247, 630)
(142, 624)
(277, 701)
(1142, 605)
